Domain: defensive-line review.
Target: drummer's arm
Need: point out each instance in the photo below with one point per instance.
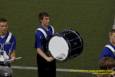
(43, 55)
(38, 46)
(13, 55)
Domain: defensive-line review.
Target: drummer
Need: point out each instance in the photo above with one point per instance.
(45, 62)
(109, 49)
(7, 49)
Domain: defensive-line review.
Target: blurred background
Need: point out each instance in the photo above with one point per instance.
(93, 19)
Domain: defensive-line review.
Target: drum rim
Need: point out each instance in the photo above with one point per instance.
(81, 39)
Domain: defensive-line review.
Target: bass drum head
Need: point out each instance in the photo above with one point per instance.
(58, 48)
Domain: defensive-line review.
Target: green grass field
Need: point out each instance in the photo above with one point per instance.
(93, 19)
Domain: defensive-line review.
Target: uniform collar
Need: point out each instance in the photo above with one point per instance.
(111, 45)
(5, 35)
(45, 28)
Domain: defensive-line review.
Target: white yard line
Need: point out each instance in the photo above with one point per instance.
(66, 70)
(35, 68)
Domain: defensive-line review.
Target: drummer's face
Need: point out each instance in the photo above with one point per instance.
(3, 28)
(112, 38)
(45, 21)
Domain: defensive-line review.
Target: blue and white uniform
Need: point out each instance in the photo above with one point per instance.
(108, 51)
(7, 45)
(42, 37)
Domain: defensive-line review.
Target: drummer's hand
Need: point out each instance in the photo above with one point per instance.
(13, 59)
(49, 59)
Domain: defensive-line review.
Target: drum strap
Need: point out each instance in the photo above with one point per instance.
(8, 38)
(43, 32)
(111, 48)
(5, 55)
(52, 29)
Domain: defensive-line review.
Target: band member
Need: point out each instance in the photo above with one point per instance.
(109, 49)
(7, 49)
(46, 63)
(107, 56)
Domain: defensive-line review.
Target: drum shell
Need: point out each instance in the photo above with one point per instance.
(75, 42)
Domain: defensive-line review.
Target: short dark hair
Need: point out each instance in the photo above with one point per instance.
(107, 63)
(112, 31)
(42, 14)
(3, 20)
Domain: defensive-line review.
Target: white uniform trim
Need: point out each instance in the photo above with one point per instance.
(111, 48)
(44, 33)
(52, 29)
(8, 38)
(5, 55)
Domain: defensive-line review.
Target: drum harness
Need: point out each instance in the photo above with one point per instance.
(111, 48)
(4, 57)
(46, 36)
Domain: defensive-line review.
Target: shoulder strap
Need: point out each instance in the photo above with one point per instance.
(8, 38)
(52, 29)
(111, 48)
(43, 32)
